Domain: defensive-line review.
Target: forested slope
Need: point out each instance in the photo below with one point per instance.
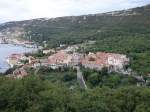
(33, 94)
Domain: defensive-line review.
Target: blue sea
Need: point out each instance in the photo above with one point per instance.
(8, 49)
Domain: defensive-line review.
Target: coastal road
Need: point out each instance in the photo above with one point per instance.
(80, 78)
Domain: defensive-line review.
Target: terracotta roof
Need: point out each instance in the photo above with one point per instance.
(58, 58)
(101, 58)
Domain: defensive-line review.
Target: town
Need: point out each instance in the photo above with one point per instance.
(68, 57)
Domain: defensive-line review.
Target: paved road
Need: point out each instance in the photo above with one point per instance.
(81, 79)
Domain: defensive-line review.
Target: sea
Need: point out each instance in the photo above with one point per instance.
(8, 49)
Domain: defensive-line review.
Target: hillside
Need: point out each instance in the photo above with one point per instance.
(44, 89)
(79, 28)
(126, 31)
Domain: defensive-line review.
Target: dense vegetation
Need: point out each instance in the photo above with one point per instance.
(33, 94)
(67, 77)
(104, 79)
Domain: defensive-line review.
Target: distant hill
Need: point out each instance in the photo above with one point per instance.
(76, 29)
(126, 31)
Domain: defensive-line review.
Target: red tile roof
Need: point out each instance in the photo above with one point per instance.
(101, 58)
(58, 57)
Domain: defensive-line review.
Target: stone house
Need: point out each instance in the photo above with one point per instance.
(99, 60)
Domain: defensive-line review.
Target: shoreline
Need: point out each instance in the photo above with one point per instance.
(5, 65)
(23, 45)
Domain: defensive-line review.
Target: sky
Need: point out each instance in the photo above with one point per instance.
(16, 10)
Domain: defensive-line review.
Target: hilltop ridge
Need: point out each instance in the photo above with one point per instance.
(74, 26)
